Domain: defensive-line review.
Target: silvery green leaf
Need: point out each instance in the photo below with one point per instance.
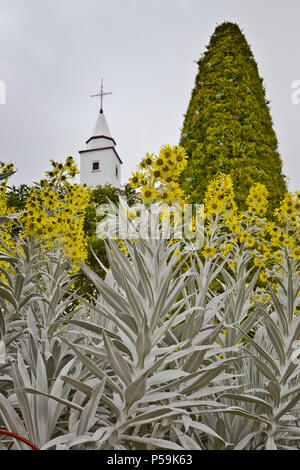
(117, 362)
(94, 368)
(136, 390)
(12, 420)
(135, 301)
(8, 218)
(265, 370)
(241, 412)
(274, 335)
(7, 174)
(78, 385)
(270, 444)
(159, 416)
(23, 400)
(60, 440)
(92, 327)
(263, 353)
(187, 442)
(160, 443)
(274, 390)
(143, 342)
(2, 352)
(286, 407)
(160, 396)
(244, 442)
(247, 398)
(6, 294)
(144, 275)
(205, 379)
(180, 381)
(122, 261)
(280, 310)
(112, 297)
(166, 376)
(107, 314)
(206, 429)
(87, 418)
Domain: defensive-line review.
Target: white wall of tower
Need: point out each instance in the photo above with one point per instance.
(109, 168)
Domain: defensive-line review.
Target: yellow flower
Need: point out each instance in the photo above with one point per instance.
(156, 173)
(227, 249)
(158, 163)
(177, 252)
(232, 265)
(263, 277)
(167, 194)
(235, 228)
(147, 161)
(243, 236)
(283, 240)
(295, 252)
(136, 179)
(250, 241)
(180, 158)
(258, 262)
(208, 251)
(148, 193)
(267, 255)
(166, 152)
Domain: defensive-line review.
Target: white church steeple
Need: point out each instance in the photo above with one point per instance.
(100, 163)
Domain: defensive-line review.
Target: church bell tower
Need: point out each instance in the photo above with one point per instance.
(100, 163)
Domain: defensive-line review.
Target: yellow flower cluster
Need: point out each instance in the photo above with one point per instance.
(219, 196)
(157, 179)
(257, 200)
(157, 176)
(267, 241)
(289, 210)
(55, 210)
(6, 241)
(5, 236)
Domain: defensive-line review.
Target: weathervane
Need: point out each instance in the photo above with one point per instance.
(101, 94)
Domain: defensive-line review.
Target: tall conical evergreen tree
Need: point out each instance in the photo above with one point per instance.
(228, 126)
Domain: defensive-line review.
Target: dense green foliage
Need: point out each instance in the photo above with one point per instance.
(228, 126)
(17, 196)
(99, 195)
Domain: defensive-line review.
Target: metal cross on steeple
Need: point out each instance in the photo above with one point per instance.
(101, 94)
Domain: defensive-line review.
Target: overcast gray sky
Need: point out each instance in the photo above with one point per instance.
(54, 52)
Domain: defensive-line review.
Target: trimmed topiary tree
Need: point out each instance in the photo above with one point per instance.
(228, 126)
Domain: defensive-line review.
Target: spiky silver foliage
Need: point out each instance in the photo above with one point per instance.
(155, 360)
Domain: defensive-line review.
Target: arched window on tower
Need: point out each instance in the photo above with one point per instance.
(117, 171)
